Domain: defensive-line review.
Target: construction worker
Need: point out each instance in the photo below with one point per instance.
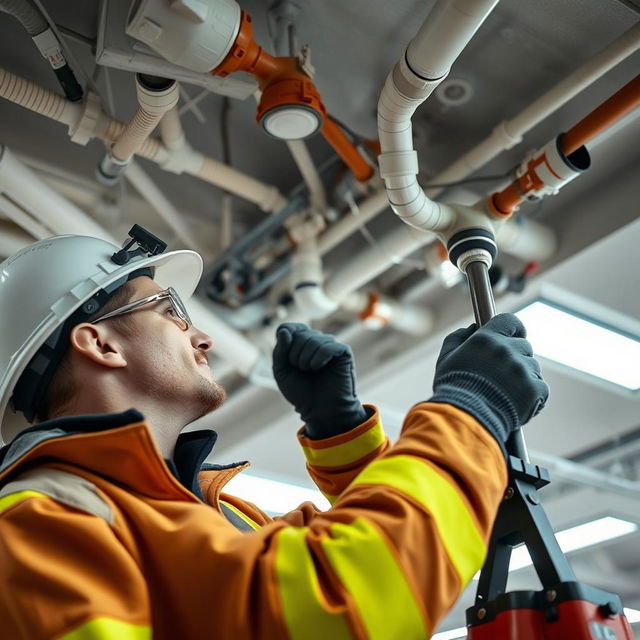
(112, 527)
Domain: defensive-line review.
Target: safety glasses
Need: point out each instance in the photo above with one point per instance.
(180, 315)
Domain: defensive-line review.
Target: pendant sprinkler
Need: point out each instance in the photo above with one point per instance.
(217, 37)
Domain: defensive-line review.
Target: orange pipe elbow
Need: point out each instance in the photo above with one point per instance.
(283, 85)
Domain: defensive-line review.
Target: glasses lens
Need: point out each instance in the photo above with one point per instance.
(181, 310)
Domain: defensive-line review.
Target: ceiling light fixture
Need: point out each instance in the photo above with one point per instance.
(579, 537)
(583, 344)
(273, 496)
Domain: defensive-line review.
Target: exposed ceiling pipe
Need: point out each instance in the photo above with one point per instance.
(509, 132)
(155, 96)
(504, 136)
(580, 474)
(304, 162)
(40, 203)
(369, 208)
(565, 157)
(150, 191)
(45, 205)
(12, 239)
(87, 120)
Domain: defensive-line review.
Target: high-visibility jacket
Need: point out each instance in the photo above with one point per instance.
(99, 538)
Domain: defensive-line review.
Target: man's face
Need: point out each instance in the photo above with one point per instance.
(169, 364)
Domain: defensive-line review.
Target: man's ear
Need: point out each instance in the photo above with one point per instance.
(98, 344)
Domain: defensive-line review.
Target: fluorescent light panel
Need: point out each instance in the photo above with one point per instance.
(273, 496)
(579, 537)
(582, 344)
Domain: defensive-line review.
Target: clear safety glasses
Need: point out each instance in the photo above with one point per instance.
(177, 308)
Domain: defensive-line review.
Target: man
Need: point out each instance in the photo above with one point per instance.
(111, 526)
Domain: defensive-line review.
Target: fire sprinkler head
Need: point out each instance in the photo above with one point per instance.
(291, 122)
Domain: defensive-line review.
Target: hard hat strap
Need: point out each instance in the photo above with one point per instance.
(30, 390)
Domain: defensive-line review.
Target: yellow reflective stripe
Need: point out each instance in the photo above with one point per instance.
(371, 574)
(109, 629)
(416, 478)
(347, 452)
(329, 497)
(12, 498)
(306, 612)
(243, 516)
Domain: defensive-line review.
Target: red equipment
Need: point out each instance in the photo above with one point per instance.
(564, 609)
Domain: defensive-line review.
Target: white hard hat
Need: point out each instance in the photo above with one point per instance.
(46, 283)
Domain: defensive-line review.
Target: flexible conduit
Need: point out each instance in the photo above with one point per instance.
(40, 100)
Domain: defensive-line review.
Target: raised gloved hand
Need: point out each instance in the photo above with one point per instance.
(315, 373)
(491, 373)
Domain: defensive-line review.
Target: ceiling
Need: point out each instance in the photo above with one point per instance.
(522, 51)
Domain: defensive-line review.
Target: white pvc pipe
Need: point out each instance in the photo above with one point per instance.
(342, 229)
(12, 238)
(510, 132)
(148, 189)
(444, 34)
(528, 240)
(41, 202)
(309, 173)
(171, 130)
(428, 58)
(365, 266)
(28, 94)
(267, 197)
(417, 321)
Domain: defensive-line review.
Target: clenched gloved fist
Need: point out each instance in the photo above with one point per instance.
(491, 373)
(315, 373)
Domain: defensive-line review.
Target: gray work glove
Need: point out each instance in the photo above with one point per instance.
(491, 373)
(315, 373)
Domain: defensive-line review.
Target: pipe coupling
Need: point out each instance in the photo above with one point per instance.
(156, 95)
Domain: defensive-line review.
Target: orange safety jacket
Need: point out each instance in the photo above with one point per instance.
(100, 540)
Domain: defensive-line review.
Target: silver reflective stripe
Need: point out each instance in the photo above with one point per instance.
(64, 487)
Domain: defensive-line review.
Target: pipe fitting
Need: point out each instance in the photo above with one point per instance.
(156, 95)
(110, 169)
(307, 281)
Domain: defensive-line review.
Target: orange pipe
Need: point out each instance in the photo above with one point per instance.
(503, 203)
(334, 135)
(616, 107)
(283, 83)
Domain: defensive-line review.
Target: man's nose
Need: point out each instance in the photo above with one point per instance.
(200, 340)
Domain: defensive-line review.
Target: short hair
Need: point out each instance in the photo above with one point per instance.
(63, 387)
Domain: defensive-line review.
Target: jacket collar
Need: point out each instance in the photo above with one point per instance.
(116, 445)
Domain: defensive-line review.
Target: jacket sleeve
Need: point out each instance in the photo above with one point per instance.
(391, 556)
(67, 575)
(334, 462)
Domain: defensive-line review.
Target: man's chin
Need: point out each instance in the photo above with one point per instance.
(212, 395)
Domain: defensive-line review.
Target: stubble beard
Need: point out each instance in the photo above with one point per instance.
(210, 395)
